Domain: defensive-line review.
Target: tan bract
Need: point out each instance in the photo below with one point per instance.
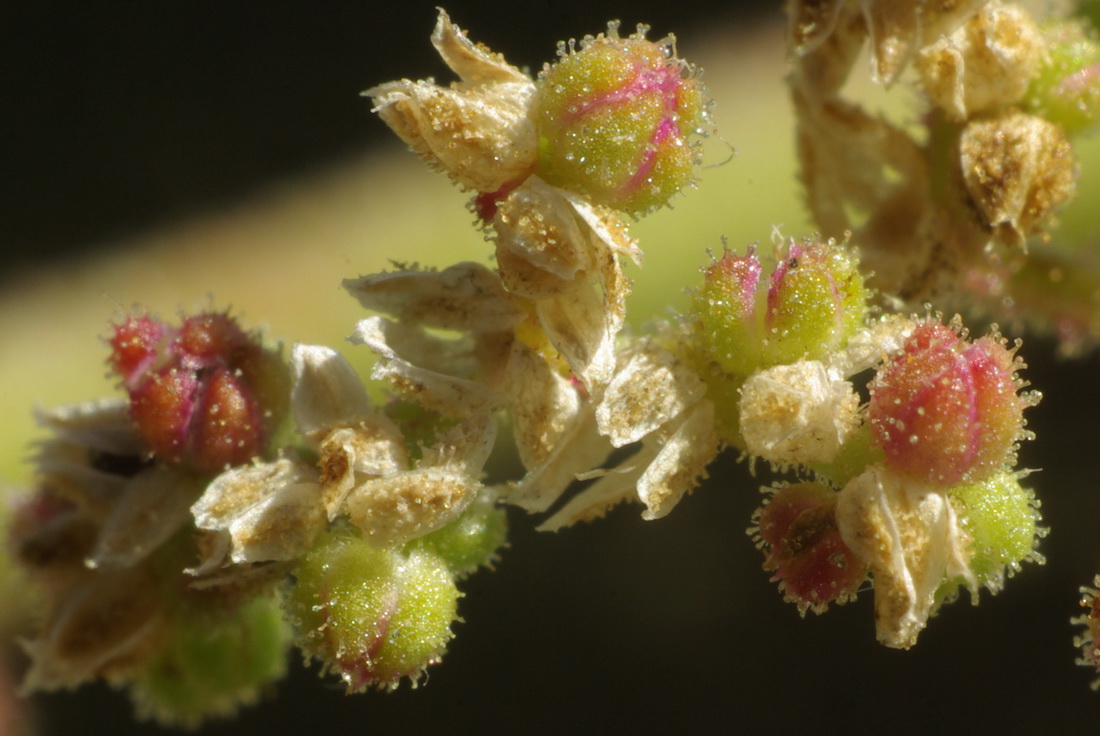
(909, 535)
(797, 414)
(985, 64)
(479, 130)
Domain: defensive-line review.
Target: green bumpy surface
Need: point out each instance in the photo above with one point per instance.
(614, 122)
(371, 614)
(214, 663)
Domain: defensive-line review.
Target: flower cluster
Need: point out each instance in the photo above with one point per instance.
(107, 532)
(956, 207)
(236, 503)
(180, 534)
(914, 486)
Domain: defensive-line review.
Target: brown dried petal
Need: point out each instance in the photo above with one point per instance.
(524, 279)
(372, 448)
(899, 29)
(581, 329)
(909, 536)
(65, 468)
(871, 345)
(433, 390)
(681, 462)
(580, 449)
(464, 447)
(231, 494)
(607, 229)
(473, 63)
(103, 426)
(986, 63)
(810, 22)
(650, 390)
(281, 526)
(537, 224)
(1018, 170)
(465, 297)
(669, 464)
(267, 511)
(401, 507)
(852, 160)
(611, 488)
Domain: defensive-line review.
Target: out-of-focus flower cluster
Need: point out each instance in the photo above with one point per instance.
(955, 205)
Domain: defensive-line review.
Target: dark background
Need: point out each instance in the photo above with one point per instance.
(120, 116)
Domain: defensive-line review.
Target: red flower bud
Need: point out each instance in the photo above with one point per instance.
(797, 529)
(206, 394)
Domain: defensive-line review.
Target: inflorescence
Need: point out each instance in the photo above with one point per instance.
(239, 501)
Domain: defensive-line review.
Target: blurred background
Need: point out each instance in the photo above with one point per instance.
(191, 154)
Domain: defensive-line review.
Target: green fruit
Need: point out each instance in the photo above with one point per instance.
(373, 615)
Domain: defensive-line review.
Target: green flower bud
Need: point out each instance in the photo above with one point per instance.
(372, 615)
(214, 663)
(471, 540)
(615, 119)
(1066, 88)
(1001, 517)
(815, 300)
(726, 307)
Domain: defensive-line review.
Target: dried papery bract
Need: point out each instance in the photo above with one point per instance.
(480, 130)
(797, 414)
(986, 63)
(565, 254)
(1019, 170)
(909, 536)
(655, 399)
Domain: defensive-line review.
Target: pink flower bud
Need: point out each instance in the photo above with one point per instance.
(797, 529)
(212, 338)
(946, 410)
